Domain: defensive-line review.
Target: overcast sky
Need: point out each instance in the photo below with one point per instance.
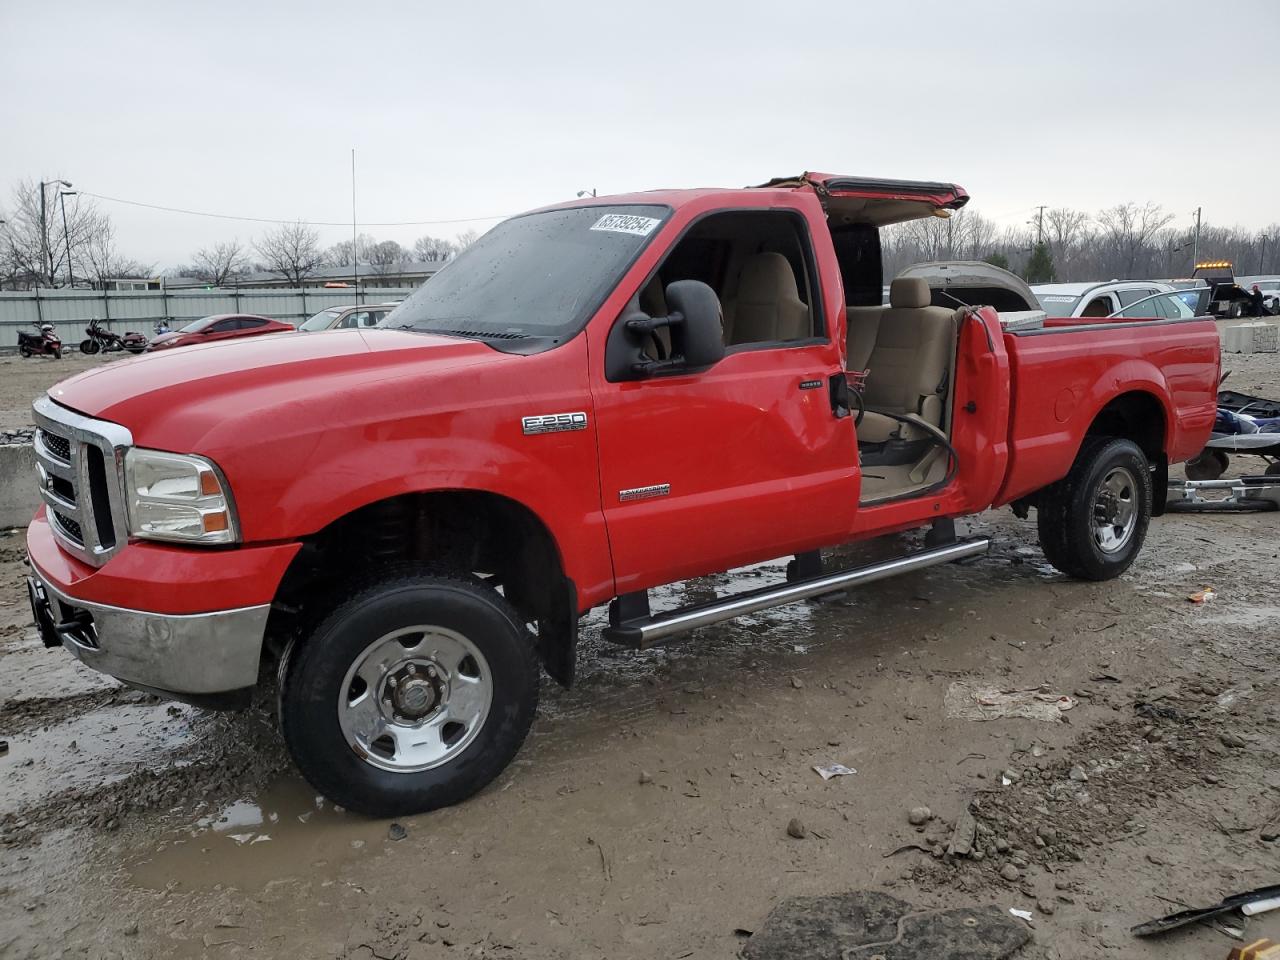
(478, 109)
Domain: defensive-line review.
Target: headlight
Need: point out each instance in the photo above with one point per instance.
(172, 496)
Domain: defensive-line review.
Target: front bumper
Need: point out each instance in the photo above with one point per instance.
(186, 655)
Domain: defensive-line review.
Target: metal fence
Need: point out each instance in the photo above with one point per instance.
(71, 310)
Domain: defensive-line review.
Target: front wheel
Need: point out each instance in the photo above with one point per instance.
(24, 350)
(90, 346)
(57, 353)
(412, 694)
(1092, 523)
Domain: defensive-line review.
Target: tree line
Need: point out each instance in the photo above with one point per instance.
(73, 242)
(1129, 241)
(1126, 241)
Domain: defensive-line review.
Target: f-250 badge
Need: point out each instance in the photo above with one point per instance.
(553, 423)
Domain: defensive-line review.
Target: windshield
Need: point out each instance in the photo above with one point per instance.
(539, 275)
(1057, 304)
(195, 326)
(322, 320)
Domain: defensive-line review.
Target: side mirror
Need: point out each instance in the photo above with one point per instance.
(699, 338)
(694, 323)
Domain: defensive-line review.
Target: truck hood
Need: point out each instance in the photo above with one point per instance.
(212, 384)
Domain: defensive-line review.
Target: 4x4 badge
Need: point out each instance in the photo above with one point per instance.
(553, 423)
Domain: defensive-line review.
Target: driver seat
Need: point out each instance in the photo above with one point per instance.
(767, 307)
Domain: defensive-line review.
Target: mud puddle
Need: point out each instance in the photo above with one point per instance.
(92, 751)
(283, 833)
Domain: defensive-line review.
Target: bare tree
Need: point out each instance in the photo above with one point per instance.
(339, 255)
(218, 263)
(1129, 229)
(433, 248)
(465, 239)
(292, 250)
(34, 252)
(386, 256)
(99, 260)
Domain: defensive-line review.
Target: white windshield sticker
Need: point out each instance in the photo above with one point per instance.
(1058, 299)
(625, 223)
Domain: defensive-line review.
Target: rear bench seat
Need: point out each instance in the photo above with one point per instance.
(907, 347)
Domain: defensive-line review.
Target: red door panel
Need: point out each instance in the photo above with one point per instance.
(739, 463)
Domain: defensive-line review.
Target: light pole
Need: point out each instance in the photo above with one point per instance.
(66, 236)
(46, 257)
(587, 193)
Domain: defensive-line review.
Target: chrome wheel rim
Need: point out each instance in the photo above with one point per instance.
(415, 698)
(1115, 510)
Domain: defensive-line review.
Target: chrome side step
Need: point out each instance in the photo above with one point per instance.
(644, 632)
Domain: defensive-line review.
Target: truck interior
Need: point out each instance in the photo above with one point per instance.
(761, 265)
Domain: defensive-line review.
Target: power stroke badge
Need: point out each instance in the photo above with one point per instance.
(553, 423)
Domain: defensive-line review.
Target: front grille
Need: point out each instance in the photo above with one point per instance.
(79, 462)
(69, 527)
(60, 447)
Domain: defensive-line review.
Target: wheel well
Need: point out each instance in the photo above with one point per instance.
(462, 532)
(1136, 416)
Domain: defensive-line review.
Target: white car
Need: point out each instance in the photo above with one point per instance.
(1094, 299)
(343, 318)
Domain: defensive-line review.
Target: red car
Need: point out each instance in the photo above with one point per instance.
(222, 326)
(404, 523)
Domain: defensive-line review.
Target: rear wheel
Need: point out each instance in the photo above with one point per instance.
(1092, 523)
(24, 350)
(412, 694)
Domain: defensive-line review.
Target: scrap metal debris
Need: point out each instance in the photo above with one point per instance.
(833, 770)
(1229, 904)
(868, 923)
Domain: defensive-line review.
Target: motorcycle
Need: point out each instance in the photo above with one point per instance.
(104, 340)
(45, 343)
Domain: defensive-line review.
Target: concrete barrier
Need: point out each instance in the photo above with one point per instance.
(18, 496)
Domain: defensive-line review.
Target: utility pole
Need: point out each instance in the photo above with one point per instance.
(1040, 224)
(46, 255)
(66, 236)
(1195, 243)
(355, 252)
(1262, 257)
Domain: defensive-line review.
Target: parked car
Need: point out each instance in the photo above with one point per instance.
(345, 318)
(594, 399)
(1175, 305)
(1067, 302)
(222, 326)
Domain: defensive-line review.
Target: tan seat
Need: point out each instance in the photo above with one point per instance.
(767, 306)
(910, 364)
(862, 327)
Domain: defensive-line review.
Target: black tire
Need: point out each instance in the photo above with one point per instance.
(1273, 469)
(1207, 465)
(57, 353)
(1065, 515)
(25, 351)
(317, 667)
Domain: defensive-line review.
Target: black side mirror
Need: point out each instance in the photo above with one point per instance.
(699, 339)
(694, 322)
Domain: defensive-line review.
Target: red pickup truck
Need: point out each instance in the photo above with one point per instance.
(596, 398)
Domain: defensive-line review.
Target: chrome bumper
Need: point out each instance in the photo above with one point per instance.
(183, 654)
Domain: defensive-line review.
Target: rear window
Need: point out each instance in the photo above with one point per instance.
(1058, 304)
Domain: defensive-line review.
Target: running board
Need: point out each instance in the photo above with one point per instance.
(643, 632)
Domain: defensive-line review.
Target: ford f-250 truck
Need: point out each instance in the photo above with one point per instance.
(595, 399)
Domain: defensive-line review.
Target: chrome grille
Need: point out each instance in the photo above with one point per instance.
(69, 527)
(60, 447)
(80, 465)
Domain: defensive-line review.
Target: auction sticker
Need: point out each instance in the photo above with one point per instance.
(625, 223)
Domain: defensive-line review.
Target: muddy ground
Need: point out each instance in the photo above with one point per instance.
(647, 815)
